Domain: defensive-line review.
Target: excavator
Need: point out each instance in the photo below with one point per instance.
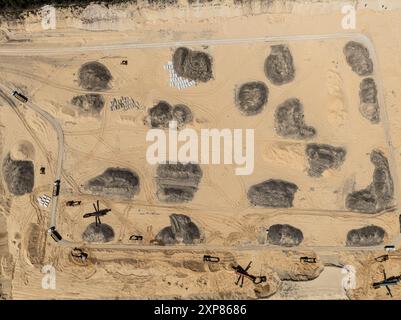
(392, 281)
(243, 273)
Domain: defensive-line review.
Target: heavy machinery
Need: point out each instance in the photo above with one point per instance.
(208, 258)
(72, 203)
(20, 97)
(307, 260)
(55, 234)
(382, 258)
(97, 213)
(135, 237)
(244, 273)
(56, 188)
(392, 281)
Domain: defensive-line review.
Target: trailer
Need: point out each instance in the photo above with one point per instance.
(55, 234)
(20, 97)
(56, 188)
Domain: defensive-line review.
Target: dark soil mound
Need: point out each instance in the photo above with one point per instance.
(322, 157)
(289, 121)
(193, 65)
(369, 106)
(178, 182)
(251, 97)
(272, 193)
(94, 76)
(279, 66)
(284, 235)
(162, 113)
(182, 114)
(18, 175)
(379, 194)
(366, 236)
(89, 103)
(357, 57)
(98, 233)
(182, 230)
(115, 181)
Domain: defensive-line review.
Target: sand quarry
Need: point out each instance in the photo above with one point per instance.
(325, 113)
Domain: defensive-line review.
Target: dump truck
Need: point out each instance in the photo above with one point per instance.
(20, 97)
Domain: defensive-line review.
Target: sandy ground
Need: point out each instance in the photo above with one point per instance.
(324, 83)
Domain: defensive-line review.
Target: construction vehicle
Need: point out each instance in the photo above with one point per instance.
(42, 170)
(55, 234)
(382, 258)
(72, 203)
(56, 188)
(208, 258)
(135, 237)
(20, 97)
(307, 260)
(97, 213)
(389, 248)
(392, 281)
(244, 273)
(79, 253)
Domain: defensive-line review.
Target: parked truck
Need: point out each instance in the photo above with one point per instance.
(56, 188)
(20, 97)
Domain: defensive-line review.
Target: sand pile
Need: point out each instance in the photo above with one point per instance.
(358, 58)
(178, 182)
(98, 233)
(162, 113)
(289, 121)
(89, 103)
(279, 66)
(18, 175)
(379, 194)
(94, 76)
(272, 193)
(284, 235)
(182, 230)
(369, 106)
(115, 182)
(252, 97)
(322, 157)
(366, 236)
